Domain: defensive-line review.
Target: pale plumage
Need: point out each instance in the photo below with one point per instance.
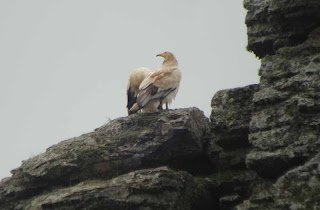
(135, 79)
(161, 85)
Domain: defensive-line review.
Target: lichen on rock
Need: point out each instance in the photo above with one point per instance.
(175, 138)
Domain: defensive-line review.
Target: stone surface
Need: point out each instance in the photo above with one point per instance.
(273, 24)
(230, 119)
(297, 189)
(158, 188)
(228, 202)
(228, 187)
(176, 138)
(300, 187)
(284, 129)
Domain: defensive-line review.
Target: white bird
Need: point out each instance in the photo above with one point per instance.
(135, 79)
(162, 85)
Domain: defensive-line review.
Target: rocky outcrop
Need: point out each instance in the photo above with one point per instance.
(158, 188)
(230, 119)
(297, 189)
(177, 139)
(284, 128)
(260, 149)
(273, 24)
(231, 114)
(115, 166)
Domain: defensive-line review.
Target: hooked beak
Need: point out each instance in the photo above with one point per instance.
(159, 55)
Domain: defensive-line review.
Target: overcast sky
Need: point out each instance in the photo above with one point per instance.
(64, 64)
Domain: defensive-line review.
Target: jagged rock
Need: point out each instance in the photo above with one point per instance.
(176, 138)
(230, 119)
(229, 187)
(158, 188)
(284, 127)
(297, 189)
(228, 202)
(273, 24)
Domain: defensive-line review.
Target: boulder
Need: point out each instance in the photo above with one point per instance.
(297, 189)
(155, 188)
(175, 138)
(230, 119)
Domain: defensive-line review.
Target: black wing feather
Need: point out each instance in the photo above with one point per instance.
(131, 99)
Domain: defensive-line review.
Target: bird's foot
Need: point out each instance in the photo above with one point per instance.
(160, 107)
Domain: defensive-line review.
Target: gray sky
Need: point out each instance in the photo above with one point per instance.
(65, 63)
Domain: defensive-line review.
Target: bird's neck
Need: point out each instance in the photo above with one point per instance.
(168, 62)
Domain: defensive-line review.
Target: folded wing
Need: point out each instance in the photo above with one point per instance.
(158, 85)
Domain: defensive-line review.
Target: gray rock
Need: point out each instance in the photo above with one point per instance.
(230, 118)
(176, 138)
(297, 189)
(228, 202)
(229, 187)
(283, 128)
(300, 187)
(158, 188)
(273, 24)
(231, 111)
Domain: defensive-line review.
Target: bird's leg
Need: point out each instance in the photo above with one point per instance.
(167, 108)
(160, 106)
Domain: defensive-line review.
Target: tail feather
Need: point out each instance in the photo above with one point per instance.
(135, 107)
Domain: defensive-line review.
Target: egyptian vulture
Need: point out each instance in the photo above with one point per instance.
(135, 79)
(161, 85)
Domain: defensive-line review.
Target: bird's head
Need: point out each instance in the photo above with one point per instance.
(169, 59)
(165, 55)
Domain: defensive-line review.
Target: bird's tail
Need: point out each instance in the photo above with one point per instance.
(135, 107)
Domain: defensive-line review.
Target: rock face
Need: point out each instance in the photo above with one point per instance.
(231, 114)
(273, 24)
(284, 128)
(230, 119)
(260, 149)
(297, 189)
(159, 160)
(158, 188)
(175, 138)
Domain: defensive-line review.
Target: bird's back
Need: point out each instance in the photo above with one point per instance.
(135, 79)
